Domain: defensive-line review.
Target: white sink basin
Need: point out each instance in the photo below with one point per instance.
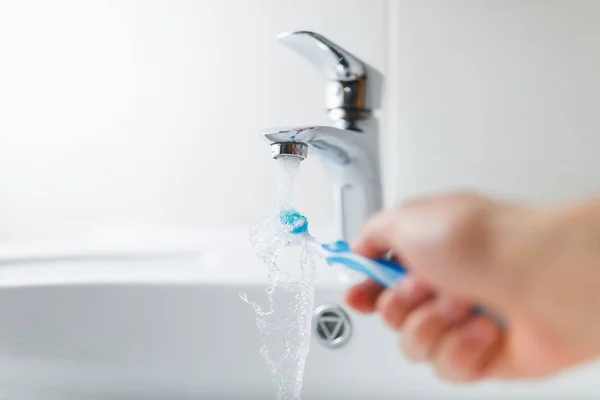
(132, 321)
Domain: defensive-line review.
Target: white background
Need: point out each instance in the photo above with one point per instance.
(501, 96)
(148, 112)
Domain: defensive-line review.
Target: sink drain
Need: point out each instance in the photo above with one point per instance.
(331, 325)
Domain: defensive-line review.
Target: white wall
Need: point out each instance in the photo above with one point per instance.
(501, 96)
(122, 111)
(148, 112)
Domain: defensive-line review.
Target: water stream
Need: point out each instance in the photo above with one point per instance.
(284, 324)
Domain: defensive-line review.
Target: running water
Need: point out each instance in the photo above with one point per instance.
(285, 325)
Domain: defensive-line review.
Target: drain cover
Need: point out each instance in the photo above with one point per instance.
(331, 325)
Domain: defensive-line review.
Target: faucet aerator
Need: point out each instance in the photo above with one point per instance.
(289, 149)
(350, 149)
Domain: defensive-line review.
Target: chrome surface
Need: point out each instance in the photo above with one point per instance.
(325, 140)
(350, 149)
(290, 149)
(346, 96)
(332, 326)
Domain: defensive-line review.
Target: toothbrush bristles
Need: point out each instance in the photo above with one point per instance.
(294, 221)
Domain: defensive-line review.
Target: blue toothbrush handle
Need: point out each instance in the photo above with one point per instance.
(383, 271)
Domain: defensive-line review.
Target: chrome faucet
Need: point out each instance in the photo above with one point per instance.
(350, 150)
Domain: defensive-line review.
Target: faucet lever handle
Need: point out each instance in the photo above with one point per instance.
(336, 63)
(347, 99)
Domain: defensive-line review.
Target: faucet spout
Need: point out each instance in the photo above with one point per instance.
(350, 150)
(333, 144)
(350, 159)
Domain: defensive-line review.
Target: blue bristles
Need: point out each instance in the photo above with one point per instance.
(296, 222)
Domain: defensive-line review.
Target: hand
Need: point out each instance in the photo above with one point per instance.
(539, 269)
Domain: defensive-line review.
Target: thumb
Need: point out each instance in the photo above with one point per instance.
(456, 243)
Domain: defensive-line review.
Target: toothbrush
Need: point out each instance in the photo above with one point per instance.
(383, 271)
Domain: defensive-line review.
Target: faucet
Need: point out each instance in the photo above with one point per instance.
(349, 149)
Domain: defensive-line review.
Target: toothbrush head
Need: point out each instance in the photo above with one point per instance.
(294, 221)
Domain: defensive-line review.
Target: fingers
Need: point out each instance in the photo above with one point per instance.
(425, 328)
(445, 332)
(377, 237)
(396, 304)
(439, 329)
(449, 241)
(465, 351)
(362, 297)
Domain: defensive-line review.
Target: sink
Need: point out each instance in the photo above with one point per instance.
(162, 319)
